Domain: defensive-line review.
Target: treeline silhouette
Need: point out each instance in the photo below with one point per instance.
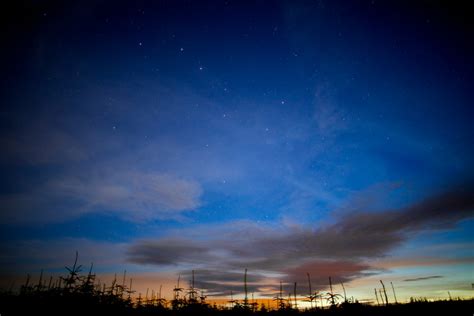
(82, 294)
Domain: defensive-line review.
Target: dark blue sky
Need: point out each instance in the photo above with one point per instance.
(146, 123)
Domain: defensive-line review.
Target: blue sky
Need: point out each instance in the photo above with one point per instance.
(130, 127)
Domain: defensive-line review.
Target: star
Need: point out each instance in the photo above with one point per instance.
(201, 68)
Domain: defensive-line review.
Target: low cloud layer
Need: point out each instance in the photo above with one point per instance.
(167, 251)
(340, 249)
(424, 278)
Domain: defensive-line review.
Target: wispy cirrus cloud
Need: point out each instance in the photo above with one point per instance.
(328, 116)
(133, 195)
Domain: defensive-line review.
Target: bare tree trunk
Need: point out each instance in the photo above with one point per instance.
(310, 291)
(377, 297)
(294, 292)
(385, 293)
(344, 289)
(394, 295)
(246, 299)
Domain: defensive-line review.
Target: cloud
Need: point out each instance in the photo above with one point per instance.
(320, 270)
(221, 282)
(167, 251)
(416, 261)
(424, 278)
(329, 118)
(360, 234)
(341, 249)
(135, 195)
(42, 146)
(132, 195)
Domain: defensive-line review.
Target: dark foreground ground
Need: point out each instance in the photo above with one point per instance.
(77, 304)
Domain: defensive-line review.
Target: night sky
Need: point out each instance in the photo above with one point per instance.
(286, 137)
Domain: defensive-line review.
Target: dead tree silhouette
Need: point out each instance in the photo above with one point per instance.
(385, 292)
(246, 300)
(310, 296)
(294, 293)
(232, 301)
(344, 289)
(192, 291)
(332, 298)
(394, 294)
(377, 297)
(279, 298)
